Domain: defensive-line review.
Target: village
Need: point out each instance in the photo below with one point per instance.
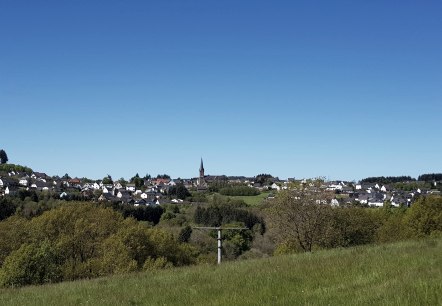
(156, 191)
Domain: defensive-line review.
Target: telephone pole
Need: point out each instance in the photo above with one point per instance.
(220, 240)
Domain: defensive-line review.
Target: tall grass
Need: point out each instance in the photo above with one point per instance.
(406, 273)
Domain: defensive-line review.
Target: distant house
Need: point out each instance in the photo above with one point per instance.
(107, 197)
(24, 181)
(39, 175)
(5, 181)
(130, 187)
(140, 202)
(275, 186)
(11, 190)
(118, 185)
(40, 185)
(362, 198)
(124, 195)
(105, 189)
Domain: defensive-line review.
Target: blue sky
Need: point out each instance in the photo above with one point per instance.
(341, 89)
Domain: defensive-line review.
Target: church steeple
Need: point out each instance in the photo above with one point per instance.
(201, 184)
(201, 169)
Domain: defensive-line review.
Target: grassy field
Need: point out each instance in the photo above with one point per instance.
(252, 200)
(406, 273)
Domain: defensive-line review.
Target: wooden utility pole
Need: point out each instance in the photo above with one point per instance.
(220, 243)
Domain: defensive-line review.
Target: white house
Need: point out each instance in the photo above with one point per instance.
(275, 186)
(105, 190)
(23, 181)
(130, 187)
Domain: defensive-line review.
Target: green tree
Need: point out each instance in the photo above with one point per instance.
(137, 180)
(7, 208)
(3, 157)
(302, 214)
(425, 216)
(180, 191)
(185, 233)
(107, 180)
(32, 263)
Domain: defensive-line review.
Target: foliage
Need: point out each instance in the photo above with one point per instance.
(32, 263)
(140, 213)
(137, 180)
(406, 273)
(218, 184)
(107, 180)
(263, 178)
(430, 177)
(3, 157)
(81, 240)
(7, 207)
(16, 168)
(198, 197)
(388, 179)
(425, 216)
(300, 214)
(185, 233)
(351, 226)
(180, 191)
(163, 176)
(239, 191)
(217, 215)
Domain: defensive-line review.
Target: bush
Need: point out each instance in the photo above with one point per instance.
(239, 191)
(425, 216)
(31, 264)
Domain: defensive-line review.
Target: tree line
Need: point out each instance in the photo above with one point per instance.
(430, 177)
(82, 240)
(388, 179)
(304, 222)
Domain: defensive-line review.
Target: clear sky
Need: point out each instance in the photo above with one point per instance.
(340, 89)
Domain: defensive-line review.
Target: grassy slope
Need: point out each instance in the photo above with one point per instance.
(252, 200)
(407, 273)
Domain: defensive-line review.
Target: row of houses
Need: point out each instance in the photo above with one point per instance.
(153, 190)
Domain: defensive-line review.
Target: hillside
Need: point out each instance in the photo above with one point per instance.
(406, 273)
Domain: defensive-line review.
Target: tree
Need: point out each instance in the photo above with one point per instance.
(180, 191)
(263, 178)
(300, 216)
(185, 233)
(137, 180)
(3, 157)
(425, 216)
(107, 180)
(7, 208)
(32, 263)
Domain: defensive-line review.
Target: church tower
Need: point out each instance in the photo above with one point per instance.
(201, 184)
(201, 169)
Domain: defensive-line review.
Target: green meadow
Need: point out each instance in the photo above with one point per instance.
(252, 200)
(404, 273)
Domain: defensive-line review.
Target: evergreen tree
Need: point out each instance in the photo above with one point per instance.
(3, 157)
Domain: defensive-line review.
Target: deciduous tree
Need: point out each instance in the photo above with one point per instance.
(302, 214)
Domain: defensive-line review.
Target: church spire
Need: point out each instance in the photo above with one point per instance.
(202, 166)
(201, 183)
